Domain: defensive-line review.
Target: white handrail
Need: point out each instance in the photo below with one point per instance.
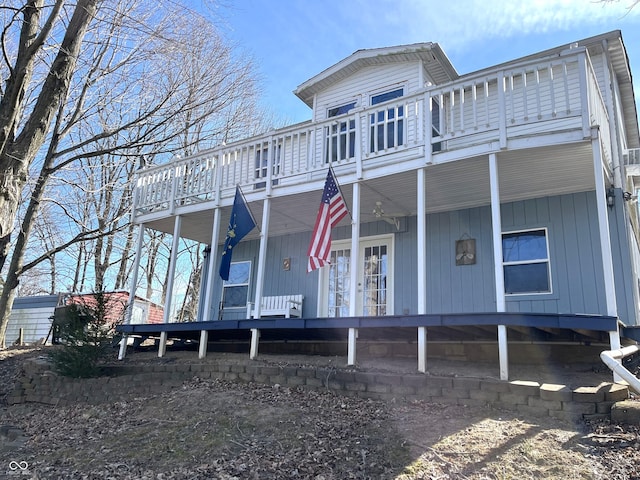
(612, 359)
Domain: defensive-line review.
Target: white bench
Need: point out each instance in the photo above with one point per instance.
(277, 306)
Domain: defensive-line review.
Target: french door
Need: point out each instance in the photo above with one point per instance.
(374, 287)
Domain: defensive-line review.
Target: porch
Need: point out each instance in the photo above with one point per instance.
(409, 330)
(538, 115)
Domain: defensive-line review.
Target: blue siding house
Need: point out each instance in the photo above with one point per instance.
(495, 206)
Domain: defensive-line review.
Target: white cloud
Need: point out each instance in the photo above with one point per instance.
(463, 22)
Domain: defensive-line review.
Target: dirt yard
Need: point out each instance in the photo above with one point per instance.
(223, 430)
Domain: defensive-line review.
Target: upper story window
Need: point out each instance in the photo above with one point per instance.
(525, 259)
(340, 135)
(335, 111)
(235, 291)
(386, 128)
(385, 97)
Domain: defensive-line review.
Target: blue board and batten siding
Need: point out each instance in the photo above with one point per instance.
(574, 252)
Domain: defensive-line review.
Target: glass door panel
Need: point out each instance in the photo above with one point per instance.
(339, 282)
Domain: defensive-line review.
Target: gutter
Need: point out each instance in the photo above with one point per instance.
(612, 359)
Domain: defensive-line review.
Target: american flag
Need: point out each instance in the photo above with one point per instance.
(332, 210)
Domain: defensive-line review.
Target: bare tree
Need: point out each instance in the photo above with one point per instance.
(632, 3)
(131, 85)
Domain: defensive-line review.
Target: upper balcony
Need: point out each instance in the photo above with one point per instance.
(545, 108)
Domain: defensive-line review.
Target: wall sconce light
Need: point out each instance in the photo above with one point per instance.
(611, 197)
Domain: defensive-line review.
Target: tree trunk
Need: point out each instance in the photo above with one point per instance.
(17, 153)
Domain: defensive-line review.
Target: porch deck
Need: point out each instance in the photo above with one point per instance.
(543, 321)
(442, 327)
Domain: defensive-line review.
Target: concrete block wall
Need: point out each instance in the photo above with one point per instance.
(39, 384)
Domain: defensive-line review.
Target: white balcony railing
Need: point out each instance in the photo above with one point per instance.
(528, 99)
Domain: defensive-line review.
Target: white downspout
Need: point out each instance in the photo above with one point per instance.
(613, 360)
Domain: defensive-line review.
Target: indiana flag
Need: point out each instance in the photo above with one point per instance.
(332, 210)
(240, 223)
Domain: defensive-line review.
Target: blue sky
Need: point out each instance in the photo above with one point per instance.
(293, 40)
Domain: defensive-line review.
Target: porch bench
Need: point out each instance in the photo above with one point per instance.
(278, 306)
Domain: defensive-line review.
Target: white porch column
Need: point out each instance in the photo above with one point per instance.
(605, 243)
(496, 226)
(262, 262)
(208, 292)
(421, 255)
(356, 285)
(603, 229)
(162, 348)
(132, 290)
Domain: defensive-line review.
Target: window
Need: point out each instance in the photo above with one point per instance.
(334, 112)
(525, 258)
(235, 291)
(341, 135)
(386, 125)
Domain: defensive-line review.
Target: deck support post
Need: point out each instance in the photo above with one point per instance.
(162, 345)
(204, 339)
(614, 342)
(496, 227)
(255, 337)
(422, 349)
(503, 352)
(132, 290)
(351, 356)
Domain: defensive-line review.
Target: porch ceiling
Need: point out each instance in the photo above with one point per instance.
(454, 185)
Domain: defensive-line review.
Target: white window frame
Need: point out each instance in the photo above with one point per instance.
(547, 261)
(323, 284)
(227, 284)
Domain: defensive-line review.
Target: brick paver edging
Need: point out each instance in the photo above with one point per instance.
(39, 384)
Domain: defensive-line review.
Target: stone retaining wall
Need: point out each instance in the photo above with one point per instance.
(40, 384)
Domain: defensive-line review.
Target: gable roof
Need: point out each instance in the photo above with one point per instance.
(433, 57)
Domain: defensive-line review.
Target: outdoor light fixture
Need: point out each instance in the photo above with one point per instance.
(611, 197)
